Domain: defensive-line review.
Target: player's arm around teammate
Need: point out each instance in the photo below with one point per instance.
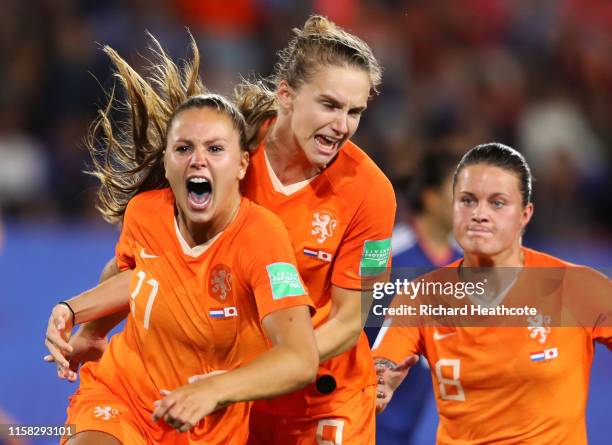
(343, 328)
(289, 365)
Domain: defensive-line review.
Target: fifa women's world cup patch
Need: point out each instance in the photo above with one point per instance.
(284, 280)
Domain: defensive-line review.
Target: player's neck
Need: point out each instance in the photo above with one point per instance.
(512, 257)
(286, 157)
(198, 234)
(498, 273)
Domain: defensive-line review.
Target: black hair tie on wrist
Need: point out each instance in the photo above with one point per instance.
(72, 311)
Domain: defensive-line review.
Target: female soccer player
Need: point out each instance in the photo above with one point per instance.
(213, 277)
(505, 384)
(339, 209)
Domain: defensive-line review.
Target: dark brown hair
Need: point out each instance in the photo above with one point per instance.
(504, 157)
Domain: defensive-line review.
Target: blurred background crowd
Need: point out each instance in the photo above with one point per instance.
(534, 75)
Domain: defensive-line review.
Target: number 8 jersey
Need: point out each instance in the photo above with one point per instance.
(510, 385)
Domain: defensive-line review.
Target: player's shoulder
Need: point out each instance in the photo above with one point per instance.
(576, 275)
(260, 221)
(261, 236)
(355, 169)
(535, 258)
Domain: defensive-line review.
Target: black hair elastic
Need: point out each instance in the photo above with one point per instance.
(71, 310)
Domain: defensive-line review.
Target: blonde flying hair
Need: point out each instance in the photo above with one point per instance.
(127, 156)
(319, 43)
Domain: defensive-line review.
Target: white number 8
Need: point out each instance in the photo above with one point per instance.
(155, 287)
(455, 364)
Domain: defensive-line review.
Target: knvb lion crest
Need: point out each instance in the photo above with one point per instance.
(220, 283)
(538, 328)
(105, 412)
(323, 224)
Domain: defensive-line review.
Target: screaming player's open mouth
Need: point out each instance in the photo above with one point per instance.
(326, 144)
(199, 192)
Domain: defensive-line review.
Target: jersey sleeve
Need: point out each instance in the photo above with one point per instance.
(588, 298)
(365, 253)
(126, 246)
(271, 269)
(395, 343)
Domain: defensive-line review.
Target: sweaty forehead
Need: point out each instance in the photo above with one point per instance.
(483, 179)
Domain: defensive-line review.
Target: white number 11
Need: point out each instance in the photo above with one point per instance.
(155, 287)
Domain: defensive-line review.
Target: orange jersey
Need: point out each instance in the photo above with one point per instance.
(505, 385)
(339, 223)
(354, 425)
(194, 312)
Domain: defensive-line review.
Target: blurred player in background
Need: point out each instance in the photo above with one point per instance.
(421, 242)
(490, 386)
(424, 238)
(214, 284)
(339, 209)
